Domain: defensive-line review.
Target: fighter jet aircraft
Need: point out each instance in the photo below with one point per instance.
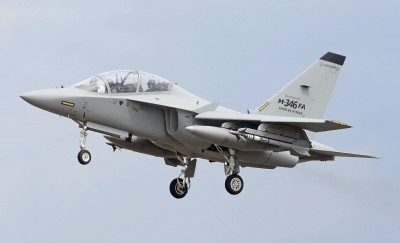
(146, 113)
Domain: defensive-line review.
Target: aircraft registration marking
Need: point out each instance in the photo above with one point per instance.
(70, 104)
(292, 103)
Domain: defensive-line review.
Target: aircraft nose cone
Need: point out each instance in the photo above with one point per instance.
(28, 96)
(34, 97)
(43, 99)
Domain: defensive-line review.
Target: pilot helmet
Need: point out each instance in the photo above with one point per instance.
(151, 83)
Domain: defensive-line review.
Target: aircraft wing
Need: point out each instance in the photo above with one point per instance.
(314, 125)
(176, 104)
(340, 154)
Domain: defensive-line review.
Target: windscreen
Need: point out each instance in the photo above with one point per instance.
(93, 84)
(125, 81)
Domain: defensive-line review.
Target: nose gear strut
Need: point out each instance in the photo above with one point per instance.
(84, 155)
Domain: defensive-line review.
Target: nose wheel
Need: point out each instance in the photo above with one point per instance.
(84, 155)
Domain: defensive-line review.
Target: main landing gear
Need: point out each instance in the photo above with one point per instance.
(179, 186)
(84, 155)
(233, 182)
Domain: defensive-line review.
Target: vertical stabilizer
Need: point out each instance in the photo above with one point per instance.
(308, 94)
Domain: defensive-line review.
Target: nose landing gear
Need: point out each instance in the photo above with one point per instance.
(84, 155)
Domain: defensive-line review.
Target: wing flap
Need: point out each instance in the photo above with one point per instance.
(314, 125)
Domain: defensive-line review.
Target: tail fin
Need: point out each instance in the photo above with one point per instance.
(308, 94)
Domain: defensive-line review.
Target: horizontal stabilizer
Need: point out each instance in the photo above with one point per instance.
(340, 154)
(314, 125)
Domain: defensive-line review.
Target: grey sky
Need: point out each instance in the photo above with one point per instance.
(235, 52)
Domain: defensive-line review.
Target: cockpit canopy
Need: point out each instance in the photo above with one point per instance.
(125, 81)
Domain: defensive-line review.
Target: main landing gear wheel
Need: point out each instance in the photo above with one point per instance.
(234, 184)
(178, 188)
(84, 157)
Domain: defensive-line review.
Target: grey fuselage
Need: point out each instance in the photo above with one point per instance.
(155, 120)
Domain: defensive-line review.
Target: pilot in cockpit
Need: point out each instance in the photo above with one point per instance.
(151, 85)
